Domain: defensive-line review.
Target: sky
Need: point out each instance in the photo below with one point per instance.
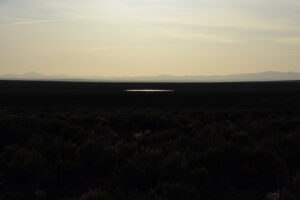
(149, 37)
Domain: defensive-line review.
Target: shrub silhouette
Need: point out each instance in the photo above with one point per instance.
(148, 154)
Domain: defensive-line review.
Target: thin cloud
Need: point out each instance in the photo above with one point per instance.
(109, 48)
(29, 21)
(206, 38)
(289, 41)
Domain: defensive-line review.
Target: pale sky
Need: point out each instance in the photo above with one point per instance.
(149, 37)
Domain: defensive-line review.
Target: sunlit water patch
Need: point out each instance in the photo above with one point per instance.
(148, 90)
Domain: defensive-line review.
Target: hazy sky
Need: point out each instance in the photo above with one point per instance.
(149, 37)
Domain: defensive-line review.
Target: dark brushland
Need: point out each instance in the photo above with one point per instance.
(207, 141)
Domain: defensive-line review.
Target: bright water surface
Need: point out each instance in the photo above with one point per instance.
(148, 90)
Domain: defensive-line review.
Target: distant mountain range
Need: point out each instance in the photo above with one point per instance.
(263, 76)
(32, 76)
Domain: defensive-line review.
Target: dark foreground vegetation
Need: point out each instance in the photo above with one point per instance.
(82, 152)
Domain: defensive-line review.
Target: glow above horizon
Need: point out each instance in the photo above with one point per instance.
(149, 37)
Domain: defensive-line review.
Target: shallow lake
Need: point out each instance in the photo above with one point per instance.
(148, 90)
